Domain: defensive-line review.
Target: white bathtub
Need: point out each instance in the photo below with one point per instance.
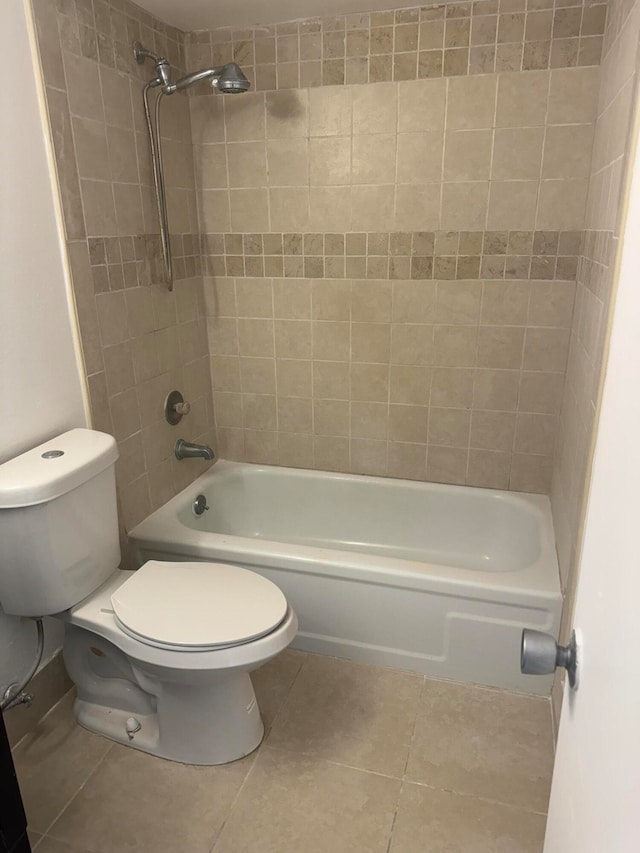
(431, 578)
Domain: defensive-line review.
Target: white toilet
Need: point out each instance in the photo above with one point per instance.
(160, 657)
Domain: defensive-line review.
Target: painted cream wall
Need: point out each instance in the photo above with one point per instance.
(40, 368)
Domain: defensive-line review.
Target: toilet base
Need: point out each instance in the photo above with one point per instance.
(207, 717)
(204, 726)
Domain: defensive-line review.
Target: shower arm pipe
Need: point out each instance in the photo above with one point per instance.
(158, 176)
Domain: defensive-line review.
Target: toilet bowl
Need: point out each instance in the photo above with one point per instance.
(161, 656)
(180, 690)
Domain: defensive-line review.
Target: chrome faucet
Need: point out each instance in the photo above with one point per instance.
(186, 450)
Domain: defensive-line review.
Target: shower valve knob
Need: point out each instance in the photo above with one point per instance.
(175, 406)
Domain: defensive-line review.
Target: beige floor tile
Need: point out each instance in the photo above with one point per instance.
(444, 822)
(347, 712)
(50, 845)
(34, 838)
(293, 803)
(138, 802)
(485, 743)
(272, 682)
(53, 761)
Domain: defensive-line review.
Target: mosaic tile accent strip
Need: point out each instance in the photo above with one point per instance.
(443, 255)
(118, 263)
(409, 44)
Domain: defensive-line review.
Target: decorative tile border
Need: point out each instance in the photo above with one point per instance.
(136, 260)
(480, 37)
(443, 255)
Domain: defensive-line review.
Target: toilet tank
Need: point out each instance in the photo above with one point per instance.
(58, 523)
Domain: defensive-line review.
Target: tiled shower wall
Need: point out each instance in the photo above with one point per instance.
(139, 341)
(390, 267)
(613, 146)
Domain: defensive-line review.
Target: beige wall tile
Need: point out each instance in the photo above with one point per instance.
(293, 339)
(546, 349)
(411, 344)
(417, 207)
(294, 377)
(92, 154)
(83, 87)
(455, 346)
(567, 151)
(369, 420)
(372, 208)
(214, 210)
(492, 430)
(374, 159)
(467, 155)
(419, 157)
(512, 205)
(259, 412)
(331, 380)
(257, 375)
(421, 105)
(446, 464)
(488, 469)
(289, 208)
(449, 427)
(99, 208)
(330, 160)
(531, 473)
(464, 205)
(244, 118)
(408, 423)
(452, 387)
(409, 384)
(331, 417)
(254, 297)
(375, 108)
(330, 111)
(370, 342)
(407, 461)
(249, 210)
(287, 114)
(247, 165)
(471, 102)
(500, 346)
(371, 301)
(522, 99)
(517, 153)
(458, 302)
(331, 341)
(505, 303)
(288, 162)
(573, 95)
(370, 382)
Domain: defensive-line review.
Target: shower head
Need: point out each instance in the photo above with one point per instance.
(227, 79)
(231, 80)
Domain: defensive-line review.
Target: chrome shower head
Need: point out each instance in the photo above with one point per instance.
(231, 81)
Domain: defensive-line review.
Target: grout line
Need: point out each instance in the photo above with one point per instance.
(99, 764)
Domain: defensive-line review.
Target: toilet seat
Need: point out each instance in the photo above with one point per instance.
(197, 606)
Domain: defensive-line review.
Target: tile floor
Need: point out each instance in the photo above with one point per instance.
(355, 758)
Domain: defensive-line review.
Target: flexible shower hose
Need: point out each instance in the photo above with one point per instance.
(8, 701)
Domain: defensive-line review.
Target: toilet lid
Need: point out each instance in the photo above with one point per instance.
(197, 605)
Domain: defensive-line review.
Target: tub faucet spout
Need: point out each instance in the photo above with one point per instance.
(186, 450)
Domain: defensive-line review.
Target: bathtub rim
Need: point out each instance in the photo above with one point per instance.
(157, 535)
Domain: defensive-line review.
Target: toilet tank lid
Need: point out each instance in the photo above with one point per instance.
(56, 467)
